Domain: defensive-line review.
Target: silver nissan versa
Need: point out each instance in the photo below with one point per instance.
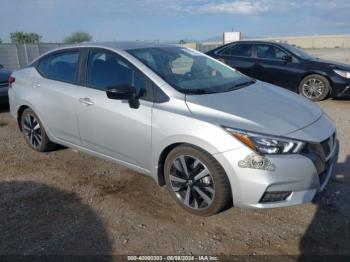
(213, 136)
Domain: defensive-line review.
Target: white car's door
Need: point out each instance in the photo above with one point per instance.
(56, 101)
(110, 126)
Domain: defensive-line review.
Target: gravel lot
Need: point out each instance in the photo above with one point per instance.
(65, 202)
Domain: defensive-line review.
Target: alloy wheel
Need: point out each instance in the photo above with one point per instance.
(313, 88)
(192, 182)
(32, 130)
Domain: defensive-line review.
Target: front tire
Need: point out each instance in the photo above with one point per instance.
(34, 132)
(314, 87)
(196, 181)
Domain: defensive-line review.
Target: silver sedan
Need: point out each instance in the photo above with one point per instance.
(215, 137)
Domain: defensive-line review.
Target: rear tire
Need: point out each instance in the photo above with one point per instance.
(196, 181)
(314, 87)
(34, 132)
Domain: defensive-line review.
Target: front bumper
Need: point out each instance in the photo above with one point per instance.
(340, 87)
(296, 174)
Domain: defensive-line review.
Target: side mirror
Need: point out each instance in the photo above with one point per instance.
(287, 58)
(124, 92)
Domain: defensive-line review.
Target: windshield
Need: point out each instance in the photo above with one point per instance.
(297, 51)
(189, 71)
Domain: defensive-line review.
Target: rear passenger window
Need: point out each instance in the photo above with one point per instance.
(245, 50)
(63, 67)
(107, 70)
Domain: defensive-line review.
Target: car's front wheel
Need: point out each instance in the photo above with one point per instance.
(197, 181)
(314, 87)
(34, 132)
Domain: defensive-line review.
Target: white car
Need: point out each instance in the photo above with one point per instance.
(214, 136)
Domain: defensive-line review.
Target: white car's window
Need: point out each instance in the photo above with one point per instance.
(190, 71)
(63, 67)
(107, 70)
(181, 65)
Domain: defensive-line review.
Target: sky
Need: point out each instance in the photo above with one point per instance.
(172, 20)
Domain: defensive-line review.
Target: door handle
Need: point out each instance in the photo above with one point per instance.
(86, 101)
(36, 84)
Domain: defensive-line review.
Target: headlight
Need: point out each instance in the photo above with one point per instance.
(265, 144)
(342, 73)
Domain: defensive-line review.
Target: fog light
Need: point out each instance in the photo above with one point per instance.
(275, 196)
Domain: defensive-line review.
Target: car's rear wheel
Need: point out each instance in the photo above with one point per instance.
(314, 87)
(197, 181)
(34, 132)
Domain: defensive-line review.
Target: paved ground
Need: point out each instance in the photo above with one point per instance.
(65, 202)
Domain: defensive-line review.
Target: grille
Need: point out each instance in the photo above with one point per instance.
(323, 176)
(328, 145)
(320, 152)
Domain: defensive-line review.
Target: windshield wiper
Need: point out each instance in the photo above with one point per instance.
(248, 83)
(198, 92)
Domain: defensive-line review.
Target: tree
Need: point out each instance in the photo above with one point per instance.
(78, 37)
(182, 42)
(24, 38)
(0, 41)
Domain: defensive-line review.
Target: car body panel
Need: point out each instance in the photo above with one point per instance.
(112, 128)
(260, 107)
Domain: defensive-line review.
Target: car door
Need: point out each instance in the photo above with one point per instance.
(112, 127)
(276, 66)
(56, 93)
(240, 57)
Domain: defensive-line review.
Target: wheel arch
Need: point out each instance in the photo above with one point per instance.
(19, 115)
(161, 160)
(20, 111)
(315, 73)
(165, 152)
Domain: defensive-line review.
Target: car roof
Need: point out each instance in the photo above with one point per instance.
(122, 45)
(248, 42)
(257, 42)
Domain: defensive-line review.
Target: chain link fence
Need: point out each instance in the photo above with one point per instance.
(15, 56)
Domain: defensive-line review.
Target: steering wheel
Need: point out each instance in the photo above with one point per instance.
(188, 75)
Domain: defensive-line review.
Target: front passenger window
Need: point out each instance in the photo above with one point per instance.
(269, 52)
(107, 70)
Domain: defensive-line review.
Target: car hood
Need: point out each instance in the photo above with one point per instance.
(330, 63)
(4, 75)
(260, 107)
